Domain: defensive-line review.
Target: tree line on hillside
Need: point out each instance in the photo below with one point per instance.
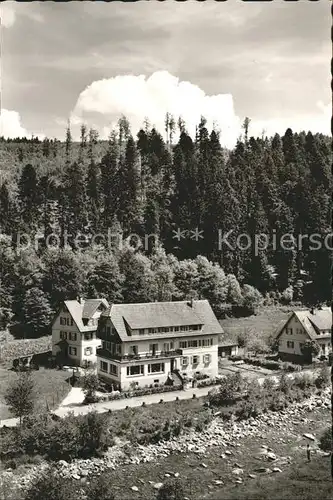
(33, 286)
(189, 193)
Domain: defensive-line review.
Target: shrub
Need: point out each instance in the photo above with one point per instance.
(268, 385)
(286, 384)
(50, 486)
(305, 382)
(324, 377)
(171, 490)
(229, 387)
(325, 442)
(277, 401)
(71, 437)
(100, 488)
(93, 438)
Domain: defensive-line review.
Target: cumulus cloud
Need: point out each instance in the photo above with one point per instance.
(11, 126)
(138, 97)
(7, 14)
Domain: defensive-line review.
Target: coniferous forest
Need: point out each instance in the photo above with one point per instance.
(189, 193)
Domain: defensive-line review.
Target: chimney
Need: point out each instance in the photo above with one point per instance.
(190, 303)
(312, 310)
(80, 300)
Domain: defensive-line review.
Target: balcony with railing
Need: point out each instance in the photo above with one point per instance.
(105, 353)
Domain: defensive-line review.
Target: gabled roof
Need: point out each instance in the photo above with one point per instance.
(90, 306)
(319, 320)
(163, 314)
(76, 310)
(322, 318)
(228, 339)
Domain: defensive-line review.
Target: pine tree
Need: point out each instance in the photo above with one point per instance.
(28, 195)
(139, 283)
(62, 276)
(105, 280)
(37, 313)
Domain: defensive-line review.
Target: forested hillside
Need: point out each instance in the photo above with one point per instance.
(189, 193)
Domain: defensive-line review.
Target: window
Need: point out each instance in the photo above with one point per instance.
(185, 328)
(301, 344)
(88, 336)
(156, 381)
(207, 342)
(289, 331)
(153, 348)
(184, 360)
(183, 344)
(118, 348)
(68, 321)
(290, 344)
(113, 369)
(63, 321)
(192, 343)
(176, 328)
(152, 330)
(322, 347)
(72, 336)
(141, 331)
(156, 368)
(133, 350)
(168, 346)
(135, 370)
(195, 327)
(104, 366)
(88, 351)
(63, 335)
(195, 360)
(207, 359)
(72, 351)
(72, 322)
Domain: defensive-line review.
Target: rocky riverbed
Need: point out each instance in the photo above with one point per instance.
(228, 435)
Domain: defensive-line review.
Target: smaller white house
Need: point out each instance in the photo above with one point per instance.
(303, 326)
(74, 340)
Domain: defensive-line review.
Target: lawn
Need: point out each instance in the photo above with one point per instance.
(51, 388)
(265, 322)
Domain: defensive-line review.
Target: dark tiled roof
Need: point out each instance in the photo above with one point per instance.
(76, 310)
(163, 314)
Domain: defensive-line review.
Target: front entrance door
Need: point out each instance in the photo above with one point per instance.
(172, 365)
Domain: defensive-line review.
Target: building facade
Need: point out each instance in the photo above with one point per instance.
(303, 326)
(150, 344)
(74, 340)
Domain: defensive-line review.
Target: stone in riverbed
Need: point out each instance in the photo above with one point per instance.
(309, 436)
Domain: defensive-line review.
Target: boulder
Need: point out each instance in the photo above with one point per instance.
(134, 488)
(309, 436)
(237, 471)
(157, 486)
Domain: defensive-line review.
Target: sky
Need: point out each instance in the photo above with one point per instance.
(92, 62)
